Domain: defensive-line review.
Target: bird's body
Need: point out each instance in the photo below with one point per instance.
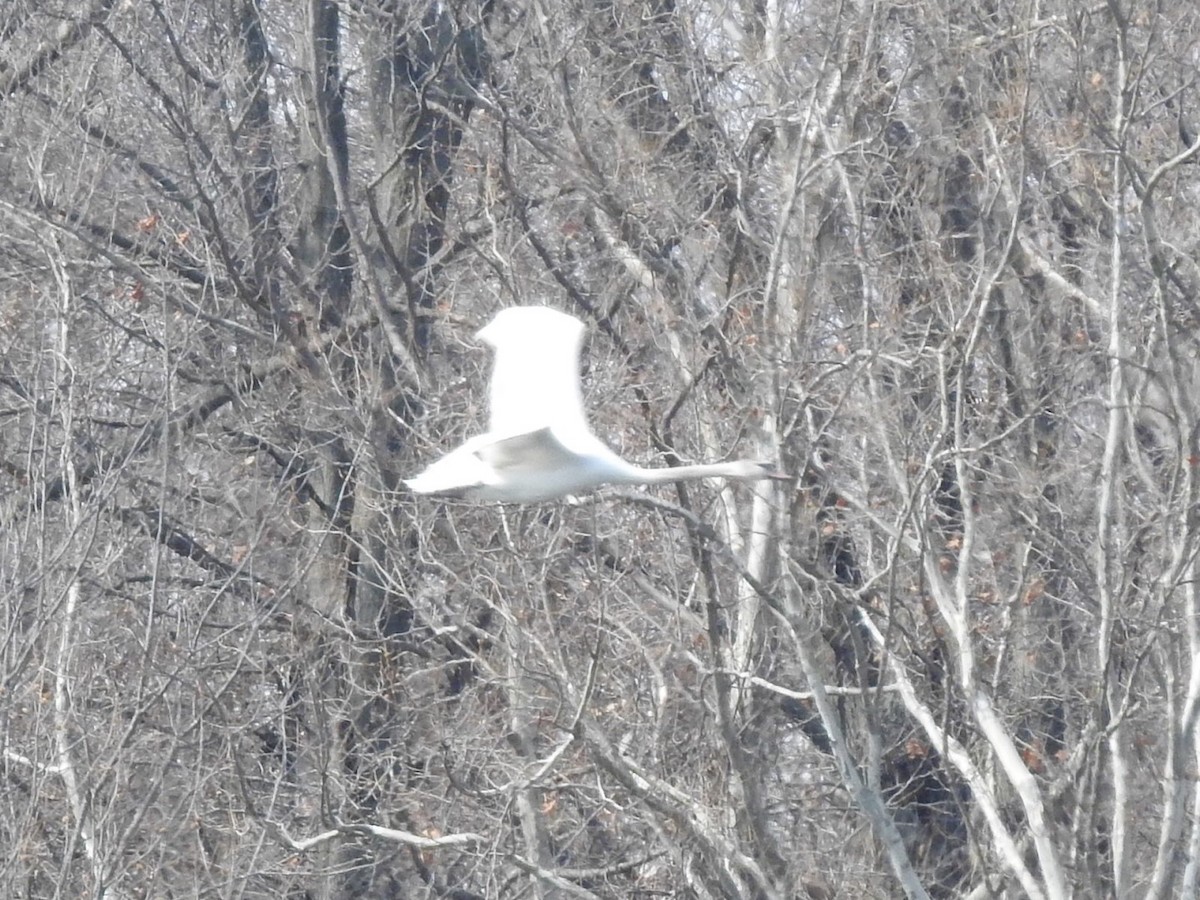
(539, 445)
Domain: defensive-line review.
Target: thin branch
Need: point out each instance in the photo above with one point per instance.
(830, 690)
(551, 878)
(42, 768)
(66, 36)
(395, 835)
(957, 755)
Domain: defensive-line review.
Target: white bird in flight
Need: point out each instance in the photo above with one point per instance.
(539, 445)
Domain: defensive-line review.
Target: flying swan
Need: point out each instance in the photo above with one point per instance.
(539, 445)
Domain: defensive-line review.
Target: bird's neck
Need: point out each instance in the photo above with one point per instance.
(682, 473)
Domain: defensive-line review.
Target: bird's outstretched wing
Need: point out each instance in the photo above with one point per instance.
(535, 375)
(532, 452)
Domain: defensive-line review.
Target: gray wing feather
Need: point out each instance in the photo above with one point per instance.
(533, 451)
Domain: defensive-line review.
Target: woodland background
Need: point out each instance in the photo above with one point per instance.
(937, 257)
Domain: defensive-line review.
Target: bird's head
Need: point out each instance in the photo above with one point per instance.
(752, 470)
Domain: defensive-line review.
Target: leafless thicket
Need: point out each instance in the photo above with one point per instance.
(938, 258)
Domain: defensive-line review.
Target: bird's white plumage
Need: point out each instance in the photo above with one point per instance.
(535, 373)
(539, 445)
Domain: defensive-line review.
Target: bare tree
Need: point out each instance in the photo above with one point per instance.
(937, 258)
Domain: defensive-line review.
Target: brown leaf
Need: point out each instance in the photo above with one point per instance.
(1033, 593)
